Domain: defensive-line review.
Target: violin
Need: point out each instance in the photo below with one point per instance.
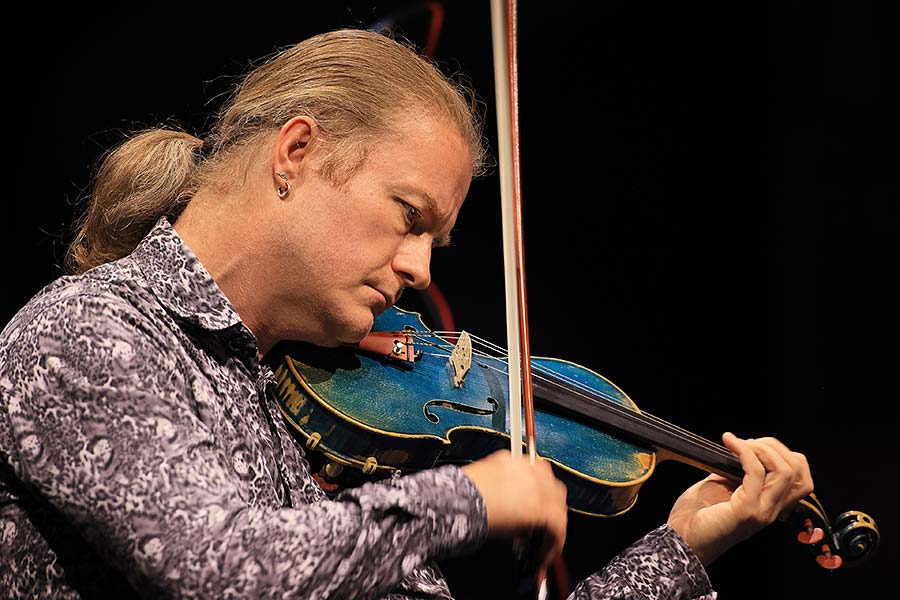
(406, 398)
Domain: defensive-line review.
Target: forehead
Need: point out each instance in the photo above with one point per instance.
(427, 158)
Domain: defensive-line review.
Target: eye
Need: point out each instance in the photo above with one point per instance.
(414, 219)
(412, 214)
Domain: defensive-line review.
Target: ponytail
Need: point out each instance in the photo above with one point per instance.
(149, 175)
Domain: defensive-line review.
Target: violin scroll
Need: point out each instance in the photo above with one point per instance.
(857, 536)
(850, 541)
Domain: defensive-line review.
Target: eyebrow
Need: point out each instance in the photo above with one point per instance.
(441, 241)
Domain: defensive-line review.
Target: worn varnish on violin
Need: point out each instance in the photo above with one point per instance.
(407, 399)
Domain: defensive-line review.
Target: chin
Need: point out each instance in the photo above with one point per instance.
(352, 330)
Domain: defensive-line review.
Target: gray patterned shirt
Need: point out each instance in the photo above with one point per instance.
(141, 454)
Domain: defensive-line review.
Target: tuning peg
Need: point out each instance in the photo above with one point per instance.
(828, 560)
(810, 535)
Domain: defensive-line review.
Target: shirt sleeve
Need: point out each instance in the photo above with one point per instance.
(119, 453)
(658, 566)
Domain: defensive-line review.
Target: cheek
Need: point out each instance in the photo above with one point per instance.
(350, 258)
(365, 244)
(353, 236)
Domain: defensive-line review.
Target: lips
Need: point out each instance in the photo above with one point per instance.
(390, 299)
(387, 298)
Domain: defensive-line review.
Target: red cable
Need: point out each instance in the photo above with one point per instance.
(441, 308)
(434, 29)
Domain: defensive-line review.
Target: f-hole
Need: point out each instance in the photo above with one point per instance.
(459, 407)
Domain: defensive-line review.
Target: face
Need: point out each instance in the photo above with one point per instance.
(354, 248)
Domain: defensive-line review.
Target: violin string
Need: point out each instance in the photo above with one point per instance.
(600, 398)
(585, 392)
(448, 347)
(604, 399)
(500, 357)
(615, 406)
(557, 379)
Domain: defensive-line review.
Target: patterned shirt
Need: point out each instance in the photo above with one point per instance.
(142, 454)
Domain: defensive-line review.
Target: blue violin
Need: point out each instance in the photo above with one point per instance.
(407, 398)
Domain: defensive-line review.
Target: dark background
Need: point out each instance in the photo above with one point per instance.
(710, 206)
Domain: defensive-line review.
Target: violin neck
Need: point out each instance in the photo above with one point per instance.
(669, 441)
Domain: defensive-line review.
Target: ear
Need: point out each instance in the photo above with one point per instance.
(293, 145)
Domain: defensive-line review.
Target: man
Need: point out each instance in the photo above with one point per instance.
(142, 452)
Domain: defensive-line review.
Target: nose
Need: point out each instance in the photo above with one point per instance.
(413, 261)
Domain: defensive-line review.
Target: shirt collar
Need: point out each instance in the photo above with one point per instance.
(186, 289)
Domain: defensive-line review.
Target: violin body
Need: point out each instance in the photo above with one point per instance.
(378, 414)
(406, 399)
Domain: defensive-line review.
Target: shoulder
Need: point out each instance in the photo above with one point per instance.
(81, 318)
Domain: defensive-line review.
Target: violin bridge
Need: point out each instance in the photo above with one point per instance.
(461, 358)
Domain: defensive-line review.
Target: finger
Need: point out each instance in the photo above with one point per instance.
(799, 463)
(800, 474)
(562, 492)
(754, 471)
(543, 544)
(777, 444)
(774, 463)
(779, 475)
(555, 540)
(556, 514)
(544, 466)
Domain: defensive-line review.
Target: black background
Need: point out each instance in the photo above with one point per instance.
(710, 206)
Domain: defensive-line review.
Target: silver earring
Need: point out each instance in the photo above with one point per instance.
(283, 191)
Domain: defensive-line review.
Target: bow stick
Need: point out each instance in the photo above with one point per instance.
(503, 27)
(503, 20)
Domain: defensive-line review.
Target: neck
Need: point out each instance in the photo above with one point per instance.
(671, 441)
(216, 231)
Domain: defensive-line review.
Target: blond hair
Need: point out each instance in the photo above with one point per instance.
(354, 83)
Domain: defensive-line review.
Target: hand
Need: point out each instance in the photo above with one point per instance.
(522, 498)
(715, 514)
